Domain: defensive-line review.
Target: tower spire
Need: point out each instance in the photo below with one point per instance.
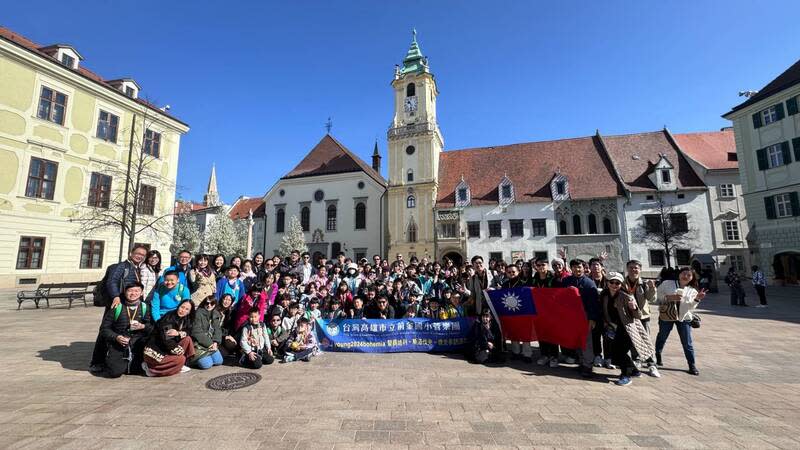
(212, 196)
(376, 158)
(414, 62)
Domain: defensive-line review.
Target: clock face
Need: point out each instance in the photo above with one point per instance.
(411, 104)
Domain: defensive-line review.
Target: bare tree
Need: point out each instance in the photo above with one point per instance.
(129, 205)
(666, 227)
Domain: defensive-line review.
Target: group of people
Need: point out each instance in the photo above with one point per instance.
(206, 308)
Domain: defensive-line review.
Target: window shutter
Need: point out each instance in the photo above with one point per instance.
(796, 145)
(757, 120)
(787, 153)
(779, 111)
(791, 106)
(795, 202)
(769, 206)
(761, 155)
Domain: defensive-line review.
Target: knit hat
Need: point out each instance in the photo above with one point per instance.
(557, 261)
(352, 266)
(615, 276)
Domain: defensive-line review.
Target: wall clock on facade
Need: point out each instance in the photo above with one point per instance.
(410, 150)
(281, 192)
(411, 105)
(361, 185)
(319, 195)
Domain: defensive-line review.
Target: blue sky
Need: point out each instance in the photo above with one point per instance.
(256, 81)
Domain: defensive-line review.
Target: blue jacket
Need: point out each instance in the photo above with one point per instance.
(237, 290)
(589, 296)
(124, 274)
(181, 274)
(166, 300)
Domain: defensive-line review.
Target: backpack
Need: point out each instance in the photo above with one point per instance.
(118, 310)
(100, 293)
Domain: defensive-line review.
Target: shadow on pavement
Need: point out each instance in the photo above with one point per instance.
(74, 356)
(784, 305)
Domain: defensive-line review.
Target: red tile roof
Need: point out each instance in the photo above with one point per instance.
(635, 155)
(711, 149)
(530, 166)
(787, 79)
(329, 156)
(184, 206)
(28, 44)
(241, 209)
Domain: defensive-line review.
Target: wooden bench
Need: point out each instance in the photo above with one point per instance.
(57, 291)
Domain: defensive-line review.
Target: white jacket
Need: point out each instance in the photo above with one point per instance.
(687, 303)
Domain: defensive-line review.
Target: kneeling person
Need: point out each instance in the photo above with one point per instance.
(124, 330)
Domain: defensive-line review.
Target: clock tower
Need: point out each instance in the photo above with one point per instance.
(415, 143)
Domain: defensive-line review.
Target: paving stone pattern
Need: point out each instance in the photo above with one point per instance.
(747, 395)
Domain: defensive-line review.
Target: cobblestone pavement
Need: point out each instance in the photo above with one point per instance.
(746, 396)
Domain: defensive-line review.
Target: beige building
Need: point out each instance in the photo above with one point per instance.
(65, 135)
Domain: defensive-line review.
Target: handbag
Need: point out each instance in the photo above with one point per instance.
(695, 323)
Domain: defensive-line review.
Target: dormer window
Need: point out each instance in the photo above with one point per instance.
(559, 187)
(666, 178)
(130, 92)
(506, 190)
(66, 55)
(462, 194)
(127, 86)
(67, 60)
(663, 176)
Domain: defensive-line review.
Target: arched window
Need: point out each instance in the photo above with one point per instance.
(410, 175)
(411, 201)
(280, 218)
(576, 224)
(592, 224)
(331, 218)
(411, 90)
(412, 232)
(607, 226)
(562, 227)
(361, 216)
(305, 218)
(336, 248)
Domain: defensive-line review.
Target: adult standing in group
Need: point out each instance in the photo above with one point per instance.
(124, 330)
(677, 301)
(476, 285)
(645, 294)
(734, 282)
(308, 269)
(202, 279)
(182, 267)
(116, 278)
(760, 284)
(150, 270)
(597, 273)
(591, 306)
(291, 265)
(512, 281)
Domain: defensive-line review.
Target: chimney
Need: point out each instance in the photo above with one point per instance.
(376, 158)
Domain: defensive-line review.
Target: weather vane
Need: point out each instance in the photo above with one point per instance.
(329, 125)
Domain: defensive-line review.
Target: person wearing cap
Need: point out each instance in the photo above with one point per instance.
(353, 278)
(621, 324)
(559, 271)
(124, 331)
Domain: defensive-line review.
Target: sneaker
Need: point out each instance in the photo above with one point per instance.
(659, 363)
(543, 360)
(586, 372)
(185, 369)
(693, 370)
(146, 370)
(623, 381)
(761, 306)
(653, 372)
(608, 364)
(570, 360)
(306, 359)
(554, 362)
(636, 374)
(598, 361)
(288, 358)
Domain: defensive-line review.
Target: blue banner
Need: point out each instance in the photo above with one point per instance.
(398, 335)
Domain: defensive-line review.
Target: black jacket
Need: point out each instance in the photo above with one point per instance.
(374, 313)
(111, 327)
(159, 339)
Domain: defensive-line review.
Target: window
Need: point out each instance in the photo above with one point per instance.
(130, 92)
(679, 221)
(576, 224)
(99, 190)
(410, 175)
(538, 227)
(361, 216)
(537, 255)
(474, 229)
(561, 187)
(331, 218)
(506, 191)
(495, 230)
(727, 190)
(737, 262)
(410, 150)
(411, 90)
(665, 176)
(280, 220)
(681, 195)
(607, 226)
(462, 195)
(31, 252)
(769, 115)
(731, 228)
(783, 205)
(562, 227)
(657, 258)
(336, 248)
(652, 223)
(592, 224)
(52, 105)
(496, 256)
(359, 253)
(107, 124)
(516, 228)
(650, 197)
(732, 156)
(92, 255)
(67, 60)
(152, 143)
(41, 179)
(683, 257)
(412, 232)
(147, 200)
(411, 201)
(774, 156)
(305, 218)
(449, 230)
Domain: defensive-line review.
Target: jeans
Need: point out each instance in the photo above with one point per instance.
(586, 357)
(522, 347)
(762, 294)
(213, 359)
(737, 296)
(685, 334)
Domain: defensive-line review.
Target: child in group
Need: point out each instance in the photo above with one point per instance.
(411, 312)
(283, 304)
(290, 316)
(334, 310)
(255, 298)
(357, 311)
(313, 312)
(302, 345)
(254, 343)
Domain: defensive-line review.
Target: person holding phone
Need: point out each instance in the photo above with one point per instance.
(677, 301)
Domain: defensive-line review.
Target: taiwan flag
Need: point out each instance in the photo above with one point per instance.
(553, 315)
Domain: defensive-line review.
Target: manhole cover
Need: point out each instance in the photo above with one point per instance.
(233, 381)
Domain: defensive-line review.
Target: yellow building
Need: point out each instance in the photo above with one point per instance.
(65, 137)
